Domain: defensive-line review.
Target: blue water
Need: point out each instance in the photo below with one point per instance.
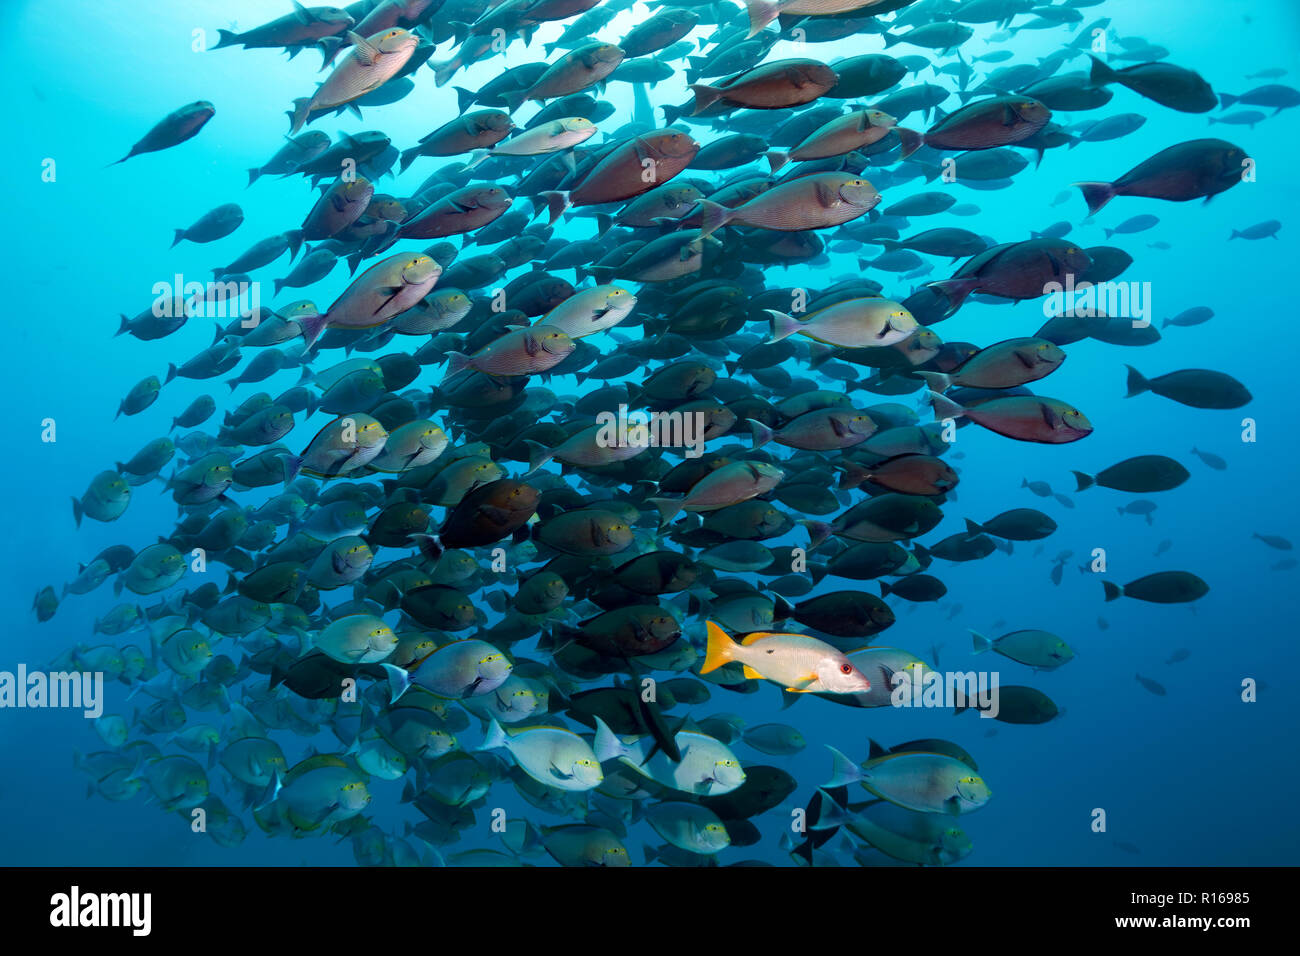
(1194, 778)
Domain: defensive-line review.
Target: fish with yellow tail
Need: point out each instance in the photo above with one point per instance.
(800, 664)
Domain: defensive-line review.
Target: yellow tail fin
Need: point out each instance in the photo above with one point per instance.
(718, 650)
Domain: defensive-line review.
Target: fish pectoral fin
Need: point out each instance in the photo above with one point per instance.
(390, 292)
(559, 774)
(751, 674)
(362, 51)
(826, 197)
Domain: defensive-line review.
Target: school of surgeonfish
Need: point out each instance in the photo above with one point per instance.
(468, 581)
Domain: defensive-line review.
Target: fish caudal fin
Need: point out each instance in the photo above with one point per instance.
(720, 648)
(705, 96)
(1097, 195)
(312, 326)
(760, 433)
(606, 745)
(712, 216)
(982, 643)
(1083, 481)
(1137, 383)
(784, 325)
(1101, 74)
(945, 407)
(556, 202)
(911, 140)
(761, 13)
(298, 115)
(1113, 591)
(399, 681)
(669, 508)
(496, 736)
(538, 455)
(843, 770)
(937, 381)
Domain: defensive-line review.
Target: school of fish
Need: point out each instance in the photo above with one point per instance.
(465, 580)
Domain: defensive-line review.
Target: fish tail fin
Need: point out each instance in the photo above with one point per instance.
(456, 362)
(399, 681)
(464, 98)
(180, 234)
(669, 508)
(496, 736)
(981, 642)
(254, 174)
(429, 546)
(172, 371)
(885, 589)
(538, 455)
(294, 238)
(956, 290)
(443, 72)
(407, 157)
(1100, 74)
(77, 511)
(312, 326)
(937, 381)
(1226, 100)
(705, 96)
(555, 201)
(1112, 590)
(1137, 383)
(1235, 234)
(760, 433)
(776, 159)
(226, 38)
(974, 527)
(784, 325)
(713, 216)
(911, 140)
(1097, 195)
(843, 770)
(292, 465)
(818, 532)
(945, 407)
(606, 745)
(298, 115)
(124, 327)
(720, 648)
(278, 285)
(761, 13)
(270, 793)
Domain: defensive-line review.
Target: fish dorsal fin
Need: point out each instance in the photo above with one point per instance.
(753, 638)
(312, 763)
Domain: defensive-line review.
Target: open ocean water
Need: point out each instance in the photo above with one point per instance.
(1194, 776)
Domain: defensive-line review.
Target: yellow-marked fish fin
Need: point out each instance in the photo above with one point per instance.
(719, 649)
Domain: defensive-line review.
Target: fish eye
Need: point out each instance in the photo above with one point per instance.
(846, 668)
